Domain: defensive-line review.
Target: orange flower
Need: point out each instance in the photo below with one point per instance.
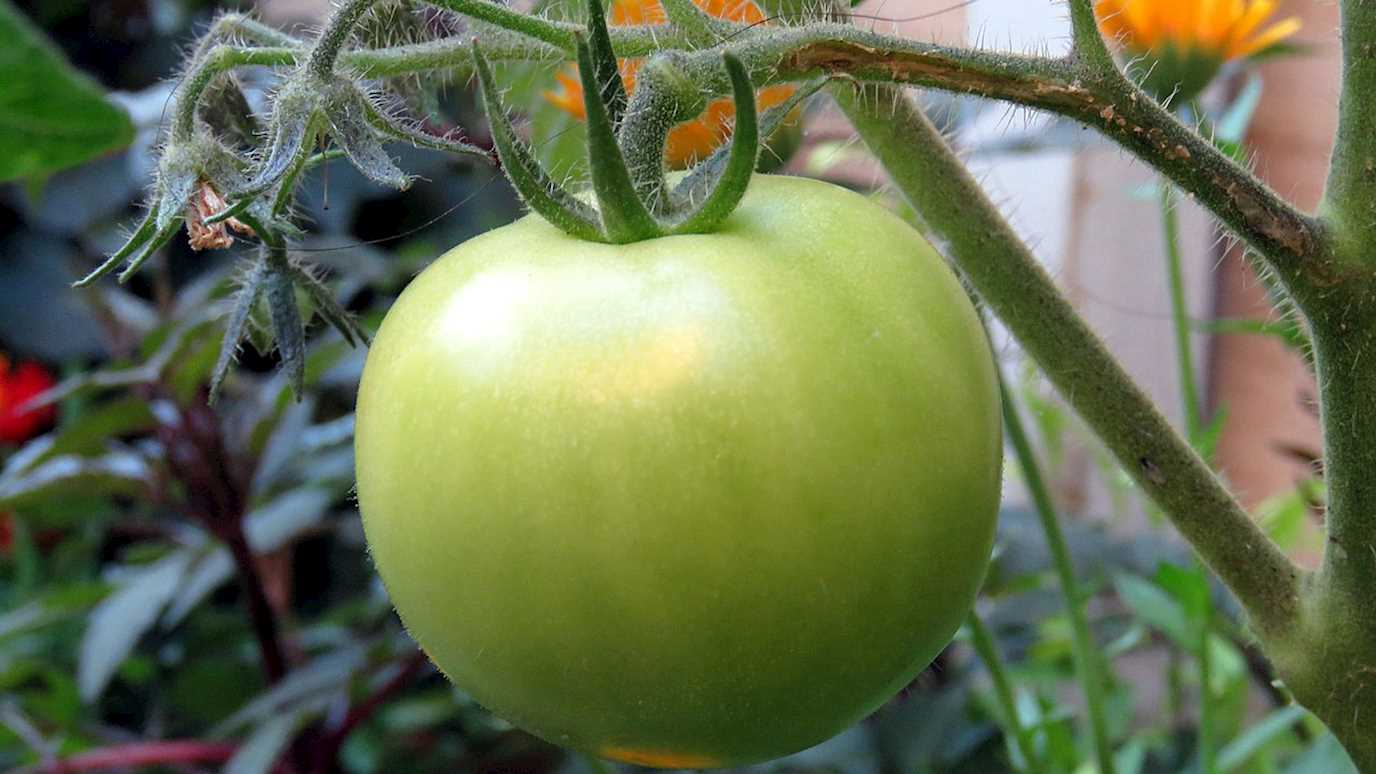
(694, 140)
(1182, 43)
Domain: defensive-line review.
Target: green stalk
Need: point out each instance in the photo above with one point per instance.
(1208, 748)
(1018, 289)
(1189, 399)
(1350, 195)
(1082, 640)
(983, 642)
(1180, 321)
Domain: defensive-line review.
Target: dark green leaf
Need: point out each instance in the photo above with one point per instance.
(90, 431)
(1157, 608)
(322, 677)
(1325, 757)
(119, 472)
(51, 115)
(265, 744)
(1250, 742)
(118, 622)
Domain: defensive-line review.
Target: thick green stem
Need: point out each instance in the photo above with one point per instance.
(983, 641)
(1082, 643)
(1344, 336)
(1010, 279)
(1350, 200)
(1103, 100)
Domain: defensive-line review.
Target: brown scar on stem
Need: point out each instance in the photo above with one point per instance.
(936, 68)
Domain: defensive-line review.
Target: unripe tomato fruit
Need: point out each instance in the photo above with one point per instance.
(694, 501)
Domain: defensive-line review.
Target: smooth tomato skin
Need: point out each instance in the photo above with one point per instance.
(695, 501)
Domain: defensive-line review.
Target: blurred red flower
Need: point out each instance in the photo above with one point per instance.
(18, 384)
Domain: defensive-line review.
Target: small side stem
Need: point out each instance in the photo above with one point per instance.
(1208, 748)
(983, 641)
(1082, 642)
(1009, 278)
(1350, 196)
(1089, 43)
(341, 25)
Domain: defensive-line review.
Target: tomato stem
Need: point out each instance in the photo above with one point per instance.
(1083, 648)
(1022, 740)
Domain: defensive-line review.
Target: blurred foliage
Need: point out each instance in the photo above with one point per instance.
(65, 118)
(187, 583)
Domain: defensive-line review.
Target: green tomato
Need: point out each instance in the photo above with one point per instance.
(689, 502)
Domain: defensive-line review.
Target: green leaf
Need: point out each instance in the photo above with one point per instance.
(51, 116)
(118, 622)
(1251, 741)
(265, 745)
(1189, 587)
(119, 472)
(91, 431)
(1157, 608)
(320, 679)
(1325, 757)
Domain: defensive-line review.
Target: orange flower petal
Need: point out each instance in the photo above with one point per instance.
(1268, 37)
(1215, 29)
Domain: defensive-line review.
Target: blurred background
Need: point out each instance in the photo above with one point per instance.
(134, 613)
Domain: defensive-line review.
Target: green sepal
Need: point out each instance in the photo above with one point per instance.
(730, 184)
(697, 184)
(162, 237)
(389, 126)
(605, 67)
(287, 328)
(245, 298)
(146, 228)
(625, 217)
(328, 307)
(293, 130)
(540, 193)
(348, 113)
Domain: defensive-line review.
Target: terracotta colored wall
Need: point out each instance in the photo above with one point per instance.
(1266, 389)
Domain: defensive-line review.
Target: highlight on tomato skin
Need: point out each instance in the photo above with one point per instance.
(701, 500)
(691, 141)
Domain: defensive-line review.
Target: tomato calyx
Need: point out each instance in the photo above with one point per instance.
(625, 146)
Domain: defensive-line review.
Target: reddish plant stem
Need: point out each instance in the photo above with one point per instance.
(216, 486)
(141, 754)
(327, 751)
(259, 608)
